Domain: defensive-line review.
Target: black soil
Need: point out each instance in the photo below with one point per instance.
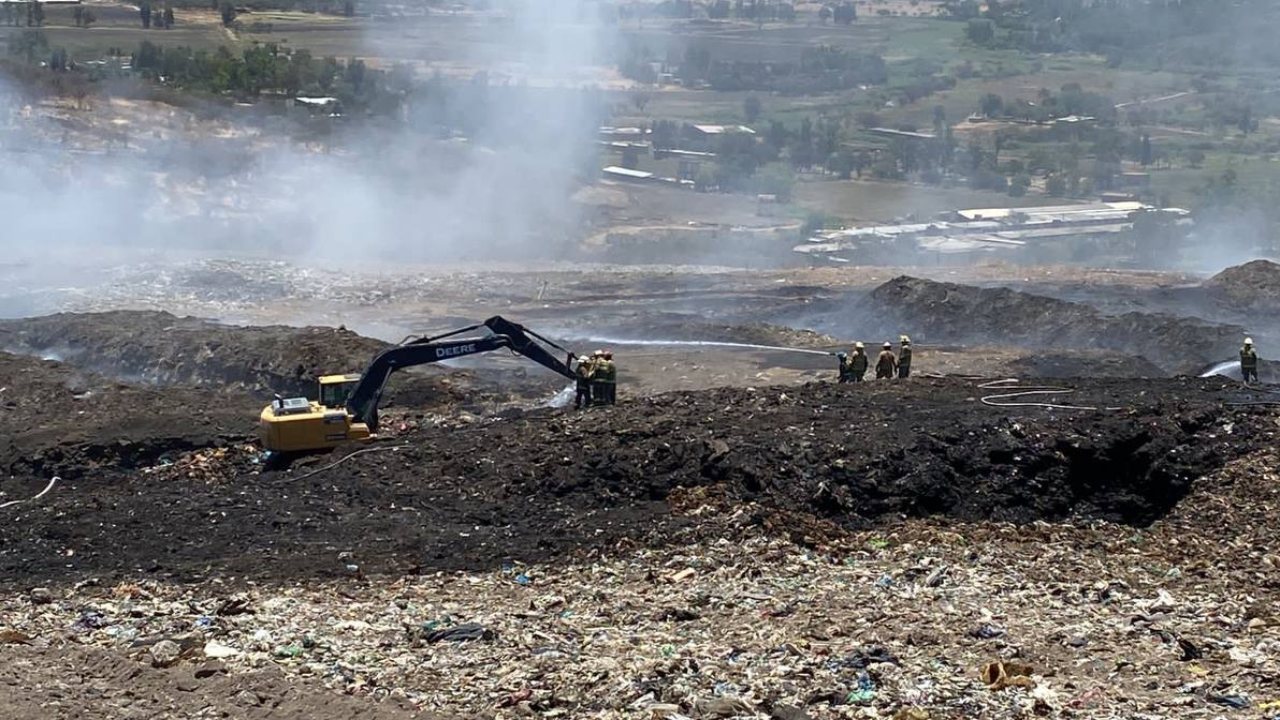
(936, 312)
(162, 349)
(58, 420)
(550, 484)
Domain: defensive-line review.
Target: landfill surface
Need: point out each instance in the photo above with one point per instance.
(740, 537)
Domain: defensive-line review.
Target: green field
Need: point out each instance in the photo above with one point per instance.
(913, 47)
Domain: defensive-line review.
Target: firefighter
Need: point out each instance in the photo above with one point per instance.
(904, 357)
(603, 377)
(597, 377)
(584, 372)
(858, 363)
(610, 378)
(886, 364)
(1248, 361)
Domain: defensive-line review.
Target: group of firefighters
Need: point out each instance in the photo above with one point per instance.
(598, 376)
(854, 364)
(597, 380)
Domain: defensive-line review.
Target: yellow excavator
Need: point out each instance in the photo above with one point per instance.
(347, 409)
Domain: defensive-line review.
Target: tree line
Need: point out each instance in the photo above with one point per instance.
(17, 14)
(1181, 32)
(816, 69)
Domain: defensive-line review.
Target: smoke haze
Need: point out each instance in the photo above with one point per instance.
(403, 189)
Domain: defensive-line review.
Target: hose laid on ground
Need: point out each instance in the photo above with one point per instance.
(53, 481)
(347, 457)
(1011, 383)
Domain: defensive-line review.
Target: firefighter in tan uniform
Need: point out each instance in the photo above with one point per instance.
(887, 363)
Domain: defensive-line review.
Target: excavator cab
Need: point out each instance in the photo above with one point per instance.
(335, 389)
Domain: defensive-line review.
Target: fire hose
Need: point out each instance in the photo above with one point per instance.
(1008, 399)
(53, 481)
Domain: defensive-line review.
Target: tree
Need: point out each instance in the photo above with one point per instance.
(1156, 236)
(802, 145)
(349, 8)
(168, 16)
(1145, 155)
(77, 14)
(992, 105)
(776, 138)
(1195, 157)
(775, 179)
(845, 13)
(813, 223)
(1019, 184)
(751, 108)
(981, 32)
(1247, 124)
(824, 14)
(868, 119)
(144, 10)
(1055, 186)
(35, 14)
(228, 12)
(841, 163)
(29, 44)
(87, 18)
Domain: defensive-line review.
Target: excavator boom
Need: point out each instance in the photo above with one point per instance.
(297, 425)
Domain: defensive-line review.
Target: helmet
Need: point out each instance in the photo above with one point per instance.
(608, 354)
(858, 345)
(597, 353)
(1248, 341)
(888, 345)
(905, 340)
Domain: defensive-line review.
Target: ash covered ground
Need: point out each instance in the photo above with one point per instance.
(740, 536)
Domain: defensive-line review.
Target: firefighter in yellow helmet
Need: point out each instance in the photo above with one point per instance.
(853, 366)
(584, 373)
(597, 377)
(1248, 361)
(608, 378)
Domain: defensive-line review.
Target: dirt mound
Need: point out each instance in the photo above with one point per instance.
(93, 684)
(161, 349)
(57, 420)
(751, 333)
(1255, 283)
(935, 312)
(1084, 364)
(546, 484)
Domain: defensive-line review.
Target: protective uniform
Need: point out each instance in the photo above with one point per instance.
(904, 358)
(887, 363)
(604, 380)
(858, 363)
(584, 372)
(1248, 361)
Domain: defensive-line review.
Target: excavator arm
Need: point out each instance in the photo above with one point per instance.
(363, 401)
(299, 425)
